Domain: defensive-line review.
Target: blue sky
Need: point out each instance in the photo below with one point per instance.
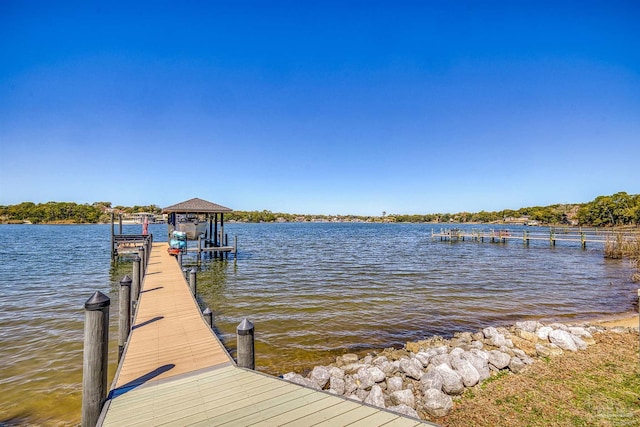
(320, 107)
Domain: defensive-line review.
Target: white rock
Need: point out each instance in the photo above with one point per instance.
(336, 373)
(516, 365)
(563, 340)
(579, 332)
(424, 358)
(560, 326)
(579, 342)
(543, 333)
(451, 380)
(412, 368)
(337, 385)
(395, 384)
(320, 375)
(499, 359)
(456, 352)
(436, 403)
(431, 379)
(480, 363)
(466, 370)
(375, 397)
(443, 349)
(528, 326)
(439, 359)
(403, 397)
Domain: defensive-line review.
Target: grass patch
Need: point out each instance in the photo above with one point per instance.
(597, 387)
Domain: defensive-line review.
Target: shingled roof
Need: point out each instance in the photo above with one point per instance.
(196, 205)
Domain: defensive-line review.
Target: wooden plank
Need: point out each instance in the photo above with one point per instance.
(268, 411)
(292, 415)
(358, 413)
(317, 416)
(259, 405)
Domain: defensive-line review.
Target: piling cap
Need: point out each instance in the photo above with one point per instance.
(207, 311)
(192, 271)
(126, 281)
(245, 327)
(97, 301)
(137, 258)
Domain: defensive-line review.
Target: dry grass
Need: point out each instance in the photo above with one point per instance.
(597, 387)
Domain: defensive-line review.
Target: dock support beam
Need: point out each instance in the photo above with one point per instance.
(192, 281)
(95, 357)
(246, 352)
(124, 315)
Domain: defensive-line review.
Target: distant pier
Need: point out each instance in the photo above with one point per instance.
(583, 237)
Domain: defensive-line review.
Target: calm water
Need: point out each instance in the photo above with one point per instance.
(312, 290)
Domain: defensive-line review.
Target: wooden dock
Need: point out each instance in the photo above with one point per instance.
(175, 371)
(553, 236)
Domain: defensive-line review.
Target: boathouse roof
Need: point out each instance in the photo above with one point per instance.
(196, 205)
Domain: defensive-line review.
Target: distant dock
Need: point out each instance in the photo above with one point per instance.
(554, 235)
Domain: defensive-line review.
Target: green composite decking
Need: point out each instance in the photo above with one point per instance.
(174, 371)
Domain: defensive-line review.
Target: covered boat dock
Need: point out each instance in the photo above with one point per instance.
(201, 221)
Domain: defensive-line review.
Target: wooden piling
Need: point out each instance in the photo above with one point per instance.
(199, 248)
(208, 315)
(124, 315)
(179, 258)
(136, 282)
(95, 357)
(246, 350)
(192, 281)
(143, 262)
(235, 246)
(113, 240)
(119, 223)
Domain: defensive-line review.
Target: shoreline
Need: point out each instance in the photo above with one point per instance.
(424, 378)
(627, 319)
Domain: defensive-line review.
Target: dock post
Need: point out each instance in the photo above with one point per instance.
(95, 357)
(147, 253)
(199, 248)
(135, 282)
(235, 246)
(192, 281)
(113, 240)
(208, 315)
(226, 243)
(179, 258)
(120, 223)
(246, 353)
(142, 254)
(124, 315)
(583, 240)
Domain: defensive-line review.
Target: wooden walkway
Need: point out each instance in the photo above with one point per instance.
(175, 371)
(553, 236)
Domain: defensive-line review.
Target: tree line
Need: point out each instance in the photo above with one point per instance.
(615, 210)
(67, 212)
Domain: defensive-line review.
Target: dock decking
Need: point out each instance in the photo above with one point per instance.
(174, 371)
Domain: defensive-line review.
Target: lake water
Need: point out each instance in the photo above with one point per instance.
(313, 291)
